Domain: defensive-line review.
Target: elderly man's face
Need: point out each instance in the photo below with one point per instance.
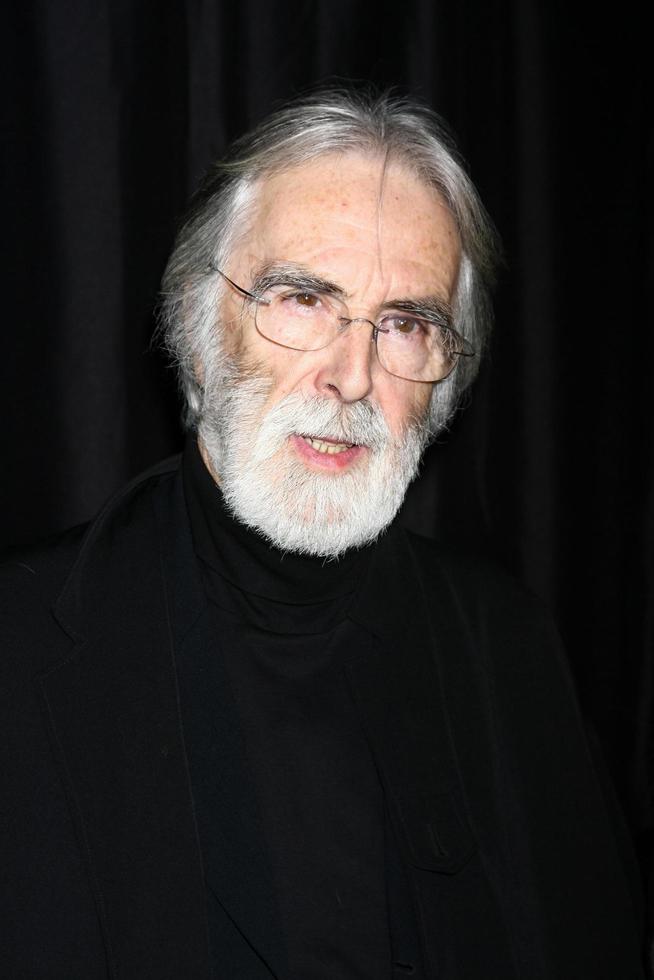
(380, 235)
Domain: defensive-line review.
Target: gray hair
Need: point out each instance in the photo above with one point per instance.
(329, 121)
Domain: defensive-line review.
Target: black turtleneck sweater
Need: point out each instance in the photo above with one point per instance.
(279, 638)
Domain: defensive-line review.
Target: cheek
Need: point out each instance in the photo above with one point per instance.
(289, 371)
(422, 399)
(404, 404)
(258, 358)
(231, 332)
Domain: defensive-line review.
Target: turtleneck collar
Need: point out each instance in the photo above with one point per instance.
(250, 578)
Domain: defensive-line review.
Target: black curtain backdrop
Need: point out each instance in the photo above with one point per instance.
(113, 109)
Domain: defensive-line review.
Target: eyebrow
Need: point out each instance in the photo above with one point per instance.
(290, 274)
(430, 307)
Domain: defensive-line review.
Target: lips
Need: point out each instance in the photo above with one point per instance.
(327, 446)
(326, 454)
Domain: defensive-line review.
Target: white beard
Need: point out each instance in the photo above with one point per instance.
(270, 489)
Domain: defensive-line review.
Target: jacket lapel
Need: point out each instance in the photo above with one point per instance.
(243, 928)
(114, 714)
(409, 692)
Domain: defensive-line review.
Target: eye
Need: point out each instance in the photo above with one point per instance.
(404, 326)
(308, 300)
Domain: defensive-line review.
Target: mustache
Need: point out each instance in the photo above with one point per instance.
(360, 423)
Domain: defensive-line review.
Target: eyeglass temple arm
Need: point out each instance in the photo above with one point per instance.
(239, 289)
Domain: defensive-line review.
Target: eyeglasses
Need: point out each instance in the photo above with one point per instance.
(409, 346)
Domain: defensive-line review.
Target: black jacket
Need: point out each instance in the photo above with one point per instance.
(515, 866)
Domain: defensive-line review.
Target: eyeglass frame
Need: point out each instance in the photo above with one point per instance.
(376, 329)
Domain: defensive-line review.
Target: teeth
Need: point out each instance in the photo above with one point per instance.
(331, 448)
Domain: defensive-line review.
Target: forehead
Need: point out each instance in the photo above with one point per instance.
(357, 217)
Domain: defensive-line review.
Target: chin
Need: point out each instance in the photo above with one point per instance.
(323, 514)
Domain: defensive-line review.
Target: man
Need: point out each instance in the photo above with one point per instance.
(255, 729)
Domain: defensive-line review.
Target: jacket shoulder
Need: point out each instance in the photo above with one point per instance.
(471, 577)
(43, 566)
(32, 578)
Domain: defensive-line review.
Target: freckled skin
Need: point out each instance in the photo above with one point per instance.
(380, 234)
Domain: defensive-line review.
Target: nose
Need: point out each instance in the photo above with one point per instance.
(346, 371)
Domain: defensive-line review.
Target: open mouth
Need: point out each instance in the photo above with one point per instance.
(328, 446)
(326, 453)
